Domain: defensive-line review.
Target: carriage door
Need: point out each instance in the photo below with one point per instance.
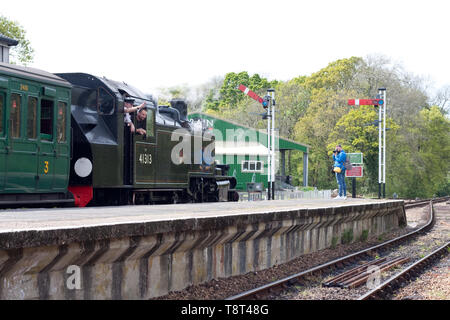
(21, 152)
(62, 155)
(47, 150)
(2, 139)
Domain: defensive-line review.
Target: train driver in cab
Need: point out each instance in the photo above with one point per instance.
(141, 122)
(129, 108)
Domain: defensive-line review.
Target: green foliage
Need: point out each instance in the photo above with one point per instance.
(421, 165)
(364, 235)
(313, 110)
(334, 242)
(347, 236)
(23, 52)
(357, 131)
(229, 94)
(293, 99)
(327, 104)
(335, 76)
(304, 189)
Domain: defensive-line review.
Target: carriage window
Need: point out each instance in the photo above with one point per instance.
(61, 124)
(32, 118)
(46, 119)
(2, 103)
(14, 116)
(105, 102)
(150, 123)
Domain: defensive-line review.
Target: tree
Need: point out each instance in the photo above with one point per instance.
(230, 95)
(406, 93)
(336, 75)
(292, 100)
(23, 52)
(433, 150)
(357, 131)
(328, 103)
(442, 99)
(229, 92)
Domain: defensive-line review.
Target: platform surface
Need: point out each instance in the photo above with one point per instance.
(17, 220)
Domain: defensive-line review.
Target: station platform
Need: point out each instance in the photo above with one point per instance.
(139, 252)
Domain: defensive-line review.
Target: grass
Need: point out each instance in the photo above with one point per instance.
(364, 235)
(347, 236)
(334, 242)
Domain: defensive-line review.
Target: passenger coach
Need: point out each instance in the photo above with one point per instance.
(34, 136)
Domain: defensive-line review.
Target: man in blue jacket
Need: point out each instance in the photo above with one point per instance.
(339, 157)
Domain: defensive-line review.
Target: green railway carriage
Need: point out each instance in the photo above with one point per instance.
(34, 136)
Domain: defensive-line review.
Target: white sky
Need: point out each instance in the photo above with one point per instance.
(152, 44)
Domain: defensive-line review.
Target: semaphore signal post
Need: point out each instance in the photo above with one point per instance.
(268, 102)
(380, 101)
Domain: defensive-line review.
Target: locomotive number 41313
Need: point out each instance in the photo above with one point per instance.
(145, 158)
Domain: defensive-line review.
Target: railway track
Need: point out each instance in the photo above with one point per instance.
(393, 283)
(358, 279)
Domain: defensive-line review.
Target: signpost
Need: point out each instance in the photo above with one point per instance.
(354, 172)
(355, 158)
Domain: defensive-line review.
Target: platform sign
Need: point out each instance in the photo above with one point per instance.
(355, 158)
(355, 171)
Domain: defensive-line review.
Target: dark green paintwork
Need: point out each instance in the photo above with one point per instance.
(161, 171)
(40, 164)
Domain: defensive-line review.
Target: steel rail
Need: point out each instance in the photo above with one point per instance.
(340, 261)
(415, 268)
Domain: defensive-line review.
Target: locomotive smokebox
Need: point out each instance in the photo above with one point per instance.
(181, 106)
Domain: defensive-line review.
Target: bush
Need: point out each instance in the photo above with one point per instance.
(364, 235)
(347, 236)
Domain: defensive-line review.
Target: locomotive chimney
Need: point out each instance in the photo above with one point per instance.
(181, 106)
